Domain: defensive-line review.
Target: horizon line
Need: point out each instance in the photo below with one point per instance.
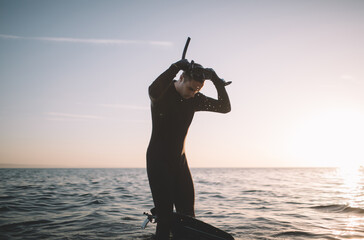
(40, 166)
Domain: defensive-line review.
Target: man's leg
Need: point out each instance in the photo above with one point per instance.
(164, 211)
(185, 192)
(161, 184)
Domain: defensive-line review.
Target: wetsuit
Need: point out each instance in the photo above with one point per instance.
(168, 172)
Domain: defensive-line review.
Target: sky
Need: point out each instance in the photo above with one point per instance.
(74, 77)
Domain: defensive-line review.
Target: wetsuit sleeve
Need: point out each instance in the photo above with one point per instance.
(221, 105)
(161, 84)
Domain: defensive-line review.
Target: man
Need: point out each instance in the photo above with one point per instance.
(173, 104)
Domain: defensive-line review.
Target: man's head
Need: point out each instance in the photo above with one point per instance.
(195, 72)
(187, 86)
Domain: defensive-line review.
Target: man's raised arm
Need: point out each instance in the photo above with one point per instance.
(160, 85)
(222, 103)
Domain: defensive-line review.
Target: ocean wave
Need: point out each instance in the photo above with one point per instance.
(253, 191)
(5, 208)
(24, 224)
(96, 201)
(339, 208)
(23, 187)
(218, 196)
(302, 234)
(6, 197)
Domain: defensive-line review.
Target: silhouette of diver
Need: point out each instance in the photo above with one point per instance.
(173, 104)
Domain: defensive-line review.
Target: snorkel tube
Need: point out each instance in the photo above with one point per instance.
(185, 49)
(206, 73)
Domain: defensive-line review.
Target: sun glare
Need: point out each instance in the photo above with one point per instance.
(331, 138)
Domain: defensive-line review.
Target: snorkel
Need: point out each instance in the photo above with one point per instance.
(198, 72)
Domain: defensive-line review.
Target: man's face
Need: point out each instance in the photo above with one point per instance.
(189, 88)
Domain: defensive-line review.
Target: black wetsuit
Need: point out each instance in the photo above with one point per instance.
(169, 176)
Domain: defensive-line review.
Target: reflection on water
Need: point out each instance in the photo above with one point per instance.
(351, 176)
(352, 184)
(352, 179)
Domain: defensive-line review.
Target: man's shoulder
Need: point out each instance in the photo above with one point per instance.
(199, 95)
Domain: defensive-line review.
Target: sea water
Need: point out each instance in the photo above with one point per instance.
(308, 203)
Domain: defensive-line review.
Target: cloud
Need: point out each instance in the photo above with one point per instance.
(122, 106)
(349, 78)
(57, 116)
(9, 36)
(91, 40)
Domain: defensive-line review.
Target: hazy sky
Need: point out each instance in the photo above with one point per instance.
(74, 78)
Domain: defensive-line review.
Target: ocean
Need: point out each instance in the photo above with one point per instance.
(262, 203)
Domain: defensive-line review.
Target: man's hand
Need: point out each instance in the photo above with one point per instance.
(211, 74)
(182, 64)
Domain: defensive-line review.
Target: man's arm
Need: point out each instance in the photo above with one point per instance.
(160, 85)
(222, 103)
